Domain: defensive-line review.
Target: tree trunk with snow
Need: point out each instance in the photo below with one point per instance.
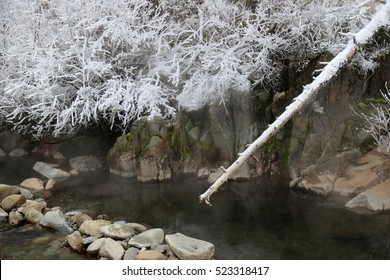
(380, 19)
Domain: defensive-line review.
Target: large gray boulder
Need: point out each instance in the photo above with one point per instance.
(188, 248)
(50, 171)
(3, 215)
(92, 228)
(116, 231)
(85, 163)
(111, 249)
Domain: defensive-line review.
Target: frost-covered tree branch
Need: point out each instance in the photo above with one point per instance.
(380, 19)
(65, 65)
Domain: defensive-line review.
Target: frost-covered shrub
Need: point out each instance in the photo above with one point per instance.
(68, 64)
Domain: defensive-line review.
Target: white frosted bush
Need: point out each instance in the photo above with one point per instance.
(65, 65)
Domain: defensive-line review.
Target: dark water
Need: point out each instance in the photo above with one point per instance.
(260, 219)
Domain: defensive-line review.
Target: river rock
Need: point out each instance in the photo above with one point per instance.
(55, 220)
(26, 193)
(131, 253)
(111, 249)
(79, 218)
(15, 218)
(6, 190)
(93, 227)
(3, 215)
(137, 227)
(94, 247)
(150, 255)
(18, 152)
(188, 248)
(357, 182)
(12, 201)
(50, 184)
(39, 206)
(33, 183)
(117, 231)
(147, 238)
(242, 173)
(75, 241)
(2, 154)
(49, 171)
(33, 216)
(377, 198)
(85, 163)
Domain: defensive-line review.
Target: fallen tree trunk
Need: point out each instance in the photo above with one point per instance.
(380, 19)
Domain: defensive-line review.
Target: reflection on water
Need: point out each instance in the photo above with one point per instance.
(261, 219)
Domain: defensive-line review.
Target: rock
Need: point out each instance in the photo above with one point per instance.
(3, 215)
(9, 140)
(116, 231)
(147, 238)
(2, 154)
(159, 248)
(130, 253)
(79, 218)
(33, 183)
(18, 152)
(58, 155)
(39, 206)
(150, 255)
(243, 172)
(148, 170)
(356, 183)
(26, 193)
(12, 201)
(6, 190)
(33, 216)
(75, 241)
(188, 248)
(94, 247)
(50, 184)
(55, 220)
(89, 240)
(203, 172)
(15, 218)
(377, 198)
(49, 171)
(137, 227)
(93, 227)
(214, 176)
(85, 163)
(111, 250)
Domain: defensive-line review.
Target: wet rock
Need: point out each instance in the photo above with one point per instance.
(9, 140)
(214, 176)
(243, 172)
(12, 201)
(58, 155)
(89, 240)
(130, 253)
(39, 206)
(33, 216)
(18, 152)
(15, 218)
(6, 190)
(147, 238)
(33, 183)
(111, 250)
(93, 227)
(75, 241)
(26, 193)
(358, 182)
(376, 198)
(203, 172)
(55, 220)
(2, 154)
(150, 255)
(148, 170)
(85, 163)
(188, 248)
(79, 218)
(3, 215)
(94, 247)
(117, 231)
(49, 171)
(159, 248)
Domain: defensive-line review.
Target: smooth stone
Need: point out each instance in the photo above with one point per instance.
(137, 227)
(18, 152)
(32, 204)
(150, 255)
(33, 183)
(147, 238)
(50, 184)
(47, 170)
(159, 248)
(85, 163)
(12, 201)
(55, 220)
(111, 249)
(26, 193)
(117, 231)
(93, 227)
(33, 216)
(188, 248)
(76, 242)
(3, 215)
(131, 253)
(94, 247)
(7, 190)
(80, 218)
(15, 218)
(88, 240)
